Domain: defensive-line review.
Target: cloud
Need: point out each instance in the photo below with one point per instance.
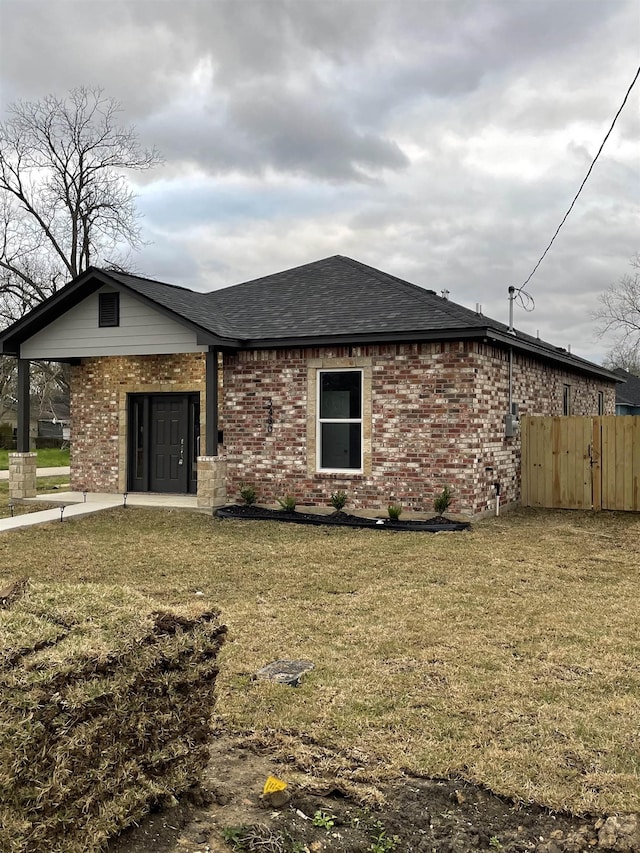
(441, 141)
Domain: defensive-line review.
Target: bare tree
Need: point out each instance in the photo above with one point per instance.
(620, 312)
(64, 199)
(64, 203)
(7, 385)
(626, 357)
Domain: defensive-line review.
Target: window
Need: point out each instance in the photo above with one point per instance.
(601, 402)
(339, 423)
(339, 432)
(566, 399)
(108, 309)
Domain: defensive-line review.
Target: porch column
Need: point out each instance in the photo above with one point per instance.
(22, 464)
(212, 482)
(211, 415)
(24, 407)
(22, 475)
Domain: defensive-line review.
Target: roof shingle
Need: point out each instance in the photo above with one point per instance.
(334, 299)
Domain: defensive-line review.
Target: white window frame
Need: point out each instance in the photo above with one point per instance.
(320, 421)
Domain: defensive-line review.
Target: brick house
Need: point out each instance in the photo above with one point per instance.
(329, 376)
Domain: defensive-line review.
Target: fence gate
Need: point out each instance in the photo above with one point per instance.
(581, 462)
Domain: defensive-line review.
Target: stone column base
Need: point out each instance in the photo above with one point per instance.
(22, 475)
(212, 482)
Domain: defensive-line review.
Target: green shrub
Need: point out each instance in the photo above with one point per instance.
(249, 495)
(287, 503)
(338, 500)
(443, 501)
(394, 510)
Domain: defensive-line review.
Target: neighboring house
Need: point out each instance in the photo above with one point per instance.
(334, 377)
(627, 393)
(50, 419)
(54, 420)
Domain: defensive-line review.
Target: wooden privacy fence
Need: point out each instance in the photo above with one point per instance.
(581, 462)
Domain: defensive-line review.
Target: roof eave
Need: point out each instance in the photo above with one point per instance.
(557, 356)
(204, 336)
(52, 308)
(416, 336)
(86, 284)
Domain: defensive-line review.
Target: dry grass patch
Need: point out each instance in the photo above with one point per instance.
(43, 486)
(104, 705)
(507, 655)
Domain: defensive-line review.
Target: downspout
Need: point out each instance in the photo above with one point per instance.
(510, 408)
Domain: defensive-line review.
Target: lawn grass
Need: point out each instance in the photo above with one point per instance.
(44, 485)
(507, 655)
(48, 457)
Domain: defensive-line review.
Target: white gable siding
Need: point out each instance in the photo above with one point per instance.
(142, 331)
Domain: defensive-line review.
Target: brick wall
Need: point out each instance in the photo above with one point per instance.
(538, 390)
(436, 419)
(99, 388)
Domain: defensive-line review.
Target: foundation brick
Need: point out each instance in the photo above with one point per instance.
(22, 475)
(212, 476)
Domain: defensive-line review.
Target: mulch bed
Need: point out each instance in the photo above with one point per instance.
(339, 519)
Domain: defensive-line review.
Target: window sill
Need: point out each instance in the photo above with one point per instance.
(338, 475)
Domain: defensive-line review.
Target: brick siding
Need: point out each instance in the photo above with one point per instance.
(99, 389)
(436, 419)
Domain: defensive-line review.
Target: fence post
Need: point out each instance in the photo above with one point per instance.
(525, 455)
(596, 462)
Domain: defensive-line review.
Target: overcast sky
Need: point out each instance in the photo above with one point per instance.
(438, 140)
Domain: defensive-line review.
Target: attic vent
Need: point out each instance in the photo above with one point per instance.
(108, 309)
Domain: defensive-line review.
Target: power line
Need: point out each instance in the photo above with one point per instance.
(575, 198)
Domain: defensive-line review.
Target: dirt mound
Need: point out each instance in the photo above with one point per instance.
(411, 815)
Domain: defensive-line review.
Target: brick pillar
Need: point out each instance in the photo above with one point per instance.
(212, 481)
(22, 475)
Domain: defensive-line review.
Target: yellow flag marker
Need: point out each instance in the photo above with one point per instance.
(273, 784)
(275, 793)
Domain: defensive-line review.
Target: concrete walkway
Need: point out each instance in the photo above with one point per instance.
(104, 499)
(75, 504)
(30, 519)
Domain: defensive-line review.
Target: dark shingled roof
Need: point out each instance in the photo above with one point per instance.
(628, 392)
(190, 304)
(336, 296)
(334, 300)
